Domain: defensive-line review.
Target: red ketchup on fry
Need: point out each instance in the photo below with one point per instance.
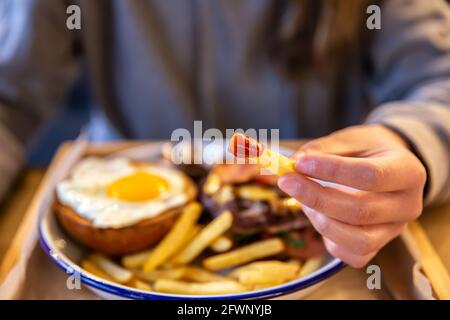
(243, 146)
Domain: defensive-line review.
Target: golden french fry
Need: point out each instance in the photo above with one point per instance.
(265, 272)
(173, 241)
(310, 265)
(118, 273)
(194, 231)
(91, 267)
(224, 194)
(152, 276)
(207, 288)
(212, 184)
(135, 260)
(201, 275)
(141, 285)
(243, 146)
(256, 192)
(254, 251)
(206, 236)
(296, 262)
(166, 266)
(276, 163)
(221, 244)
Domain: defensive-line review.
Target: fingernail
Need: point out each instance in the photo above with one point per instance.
(317, 218)
(307, 210)
(305, 165)
(320, 220)
(288, 185)
(331, 246)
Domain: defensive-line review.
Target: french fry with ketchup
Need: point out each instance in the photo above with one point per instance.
(242, 146)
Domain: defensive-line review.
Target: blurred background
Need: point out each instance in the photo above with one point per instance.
(65, 125)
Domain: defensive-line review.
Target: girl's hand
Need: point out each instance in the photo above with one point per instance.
(372, 159)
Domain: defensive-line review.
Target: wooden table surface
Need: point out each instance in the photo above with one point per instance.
(347, 284)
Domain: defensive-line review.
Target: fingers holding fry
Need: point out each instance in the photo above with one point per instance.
(242, 146)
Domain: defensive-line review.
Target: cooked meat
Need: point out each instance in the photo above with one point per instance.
(256, 215)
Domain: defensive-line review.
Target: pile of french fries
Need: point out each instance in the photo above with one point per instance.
(175, 265)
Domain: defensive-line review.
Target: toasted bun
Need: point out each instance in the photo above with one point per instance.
(120, 241)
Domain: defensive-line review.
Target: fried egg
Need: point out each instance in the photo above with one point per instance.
(115, 193)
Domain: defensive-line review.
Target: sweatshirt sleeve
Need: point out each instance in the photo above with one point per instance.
(411, 83)
(37, 65)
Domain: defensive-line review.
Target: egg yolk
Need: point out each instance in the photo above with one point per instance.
(140, 186)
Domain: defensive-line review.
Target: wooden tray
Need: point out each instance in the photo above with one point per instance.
(414, 240)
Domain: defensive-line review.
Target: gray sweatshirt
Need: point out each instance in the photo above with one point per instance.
(156, 66)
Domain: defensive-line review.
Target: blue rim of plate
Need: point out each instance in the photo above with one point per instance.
(65, 264)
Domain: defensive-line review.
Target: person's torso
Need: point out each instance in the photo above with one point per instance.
(158, 65)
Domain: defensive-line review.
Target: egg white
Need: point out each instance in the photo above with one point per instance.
(85, 192)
